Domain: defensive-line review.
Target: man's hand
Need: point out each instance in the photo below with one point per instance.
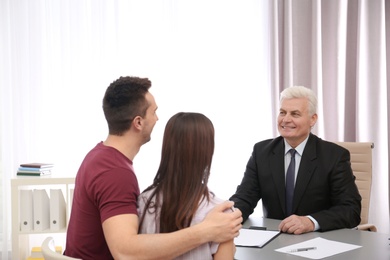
(296, 225)
(223, 226)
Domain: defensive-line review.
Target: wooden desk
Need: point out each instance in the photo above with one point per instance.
(375, 246)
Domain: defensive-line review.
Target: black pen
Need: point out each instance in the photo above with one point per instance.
(302, 249)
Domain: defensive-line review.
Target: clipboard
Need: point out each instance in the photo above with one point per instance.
(256, 237)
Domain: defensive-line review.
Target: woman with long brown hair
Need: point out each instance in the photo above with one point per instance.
(179, 196)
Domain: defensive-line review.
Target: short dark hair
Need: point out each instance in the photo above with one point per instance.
(123, 101)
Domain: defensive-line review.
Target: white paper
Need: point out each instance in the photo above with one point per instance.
(253, 237)
(324, 248)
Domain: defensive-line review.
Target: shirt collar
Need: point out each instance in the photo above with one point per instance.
(299, 148)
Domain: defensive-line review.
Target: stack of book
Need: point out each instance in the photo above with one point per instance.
(34, 169)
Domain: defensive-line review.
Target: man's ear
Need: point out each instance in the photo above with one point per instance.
(313, 120)
(137, 122)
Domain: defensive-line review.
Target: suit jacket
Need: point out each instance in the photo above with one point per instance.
(325, 186)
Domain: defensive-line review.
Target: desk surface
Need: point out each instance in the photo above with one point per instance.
(375, 245)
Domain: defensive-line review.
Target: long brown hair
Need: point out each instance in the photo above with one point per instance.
(181, 180)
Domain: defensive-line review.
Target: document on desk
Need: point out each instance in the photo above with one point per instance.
(317, 248)
(255, 238)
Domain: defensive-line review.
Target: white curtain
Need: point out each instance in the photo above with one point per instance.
(227, 59)
(340, 49)
(58, 57)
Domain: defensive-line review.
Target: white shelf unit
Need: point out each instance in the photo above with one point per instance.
(21, 239)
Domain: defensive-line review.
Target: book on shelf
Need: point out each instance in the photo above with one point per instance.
(31, 169)
(33, 173)
(37, 165)
(34, 169)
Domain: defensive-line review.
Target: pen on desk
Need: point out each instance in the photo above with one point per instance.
(258, 228)
(302, 249)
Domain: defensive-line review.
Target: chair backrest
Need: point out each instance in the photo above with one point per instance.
(361, 163)
(49, 252)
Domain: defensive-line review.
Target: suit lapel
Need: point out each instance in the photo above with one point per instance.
(305, 171)
(277, 169)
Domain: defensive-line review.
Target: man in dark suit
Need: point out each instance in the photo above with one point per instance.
(325, 196)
